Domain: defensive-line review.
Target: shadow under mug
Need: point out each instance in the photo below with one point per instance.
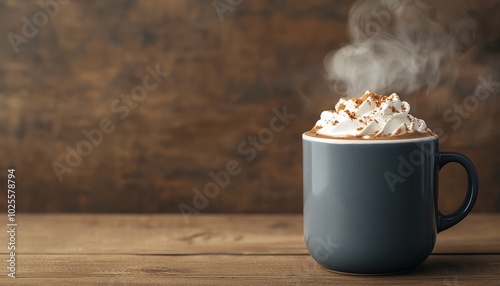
(370, 207)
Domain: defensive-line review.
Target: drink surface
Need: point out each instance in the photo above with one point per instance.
(404, 136)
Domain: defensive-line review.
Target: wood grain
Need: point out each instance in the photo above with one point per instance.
(209, 234)
(226, 77)
(238, 270)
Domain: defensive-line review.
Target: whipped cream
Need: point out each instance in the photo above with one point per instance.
(372, 115)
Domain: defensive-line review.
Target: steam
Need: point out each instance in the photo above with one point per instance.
(400, 46)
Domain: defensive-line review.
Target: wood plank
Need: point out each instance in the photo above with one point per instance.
(159, 234)
(238, 270)
(234, 234)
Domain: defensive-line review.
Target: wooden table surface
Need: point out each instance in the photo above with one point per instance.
(118, 249)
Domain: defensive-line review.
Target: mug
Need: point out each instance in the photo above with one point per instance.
(370, 206)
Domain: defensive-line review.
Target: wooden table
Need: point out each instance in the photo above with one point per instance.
(89, 249)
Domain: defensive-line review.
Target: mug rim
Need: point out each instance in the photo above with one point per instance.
(366, 141)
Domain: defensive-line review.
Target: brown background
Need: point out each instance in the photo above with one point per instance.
(225, 79)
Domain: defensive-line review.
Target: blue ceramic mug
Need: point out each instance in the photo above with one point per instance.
(370, 206)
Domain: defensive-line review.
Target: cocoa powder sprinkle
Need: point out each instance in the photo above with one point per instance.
(350, 114)
(357, 102)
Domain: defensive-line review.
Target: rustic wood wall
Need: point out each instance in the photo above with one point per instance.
(71, 72)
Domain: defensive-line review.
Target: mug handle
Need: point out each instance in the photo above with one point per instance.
(447, 221)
